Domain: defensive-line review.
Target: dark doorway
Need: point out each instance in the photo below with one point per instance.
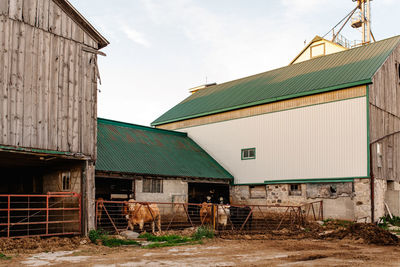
(115, 188)
(208, 192)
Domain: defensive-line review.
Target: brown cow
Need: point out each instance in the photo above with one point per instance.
(143, 213)
(205, 213)
(99, 210)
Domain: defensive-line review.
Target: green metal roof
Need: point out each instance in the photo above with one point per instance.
(335, 71)
(129, 148)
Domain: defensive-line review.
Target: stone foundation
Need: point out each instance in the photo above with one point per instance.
(347, 201)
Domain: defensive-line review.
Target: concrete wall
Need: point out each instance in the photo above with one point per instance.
(346, 201)
(313, 142)
(174, 190)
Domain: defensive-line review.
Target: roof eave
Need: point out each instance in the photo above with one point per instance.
(165, 175)
(266, 101)
(80, 19)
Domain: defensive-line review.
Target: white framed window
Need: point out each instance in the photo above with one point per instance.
(152, 185)
(66, 181)
(248, 153)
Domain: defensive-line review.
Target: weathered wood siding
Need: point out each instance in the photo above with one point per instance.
(48, 85)
(48, 16)
(384, 110)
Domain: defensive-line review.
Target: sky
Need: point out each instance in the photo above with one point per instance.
(159, 49)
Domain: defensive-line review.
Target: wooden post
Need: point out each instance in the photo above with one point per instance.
(88, 193)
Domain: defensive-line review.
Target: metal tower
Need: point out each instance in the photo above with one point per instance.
(362, 19)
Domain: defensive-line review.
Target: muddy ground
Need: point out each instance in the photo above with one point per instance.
(334, 244)
(222, 252)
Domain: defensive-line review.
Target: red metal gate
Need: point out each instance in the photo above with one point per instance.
(56, 213)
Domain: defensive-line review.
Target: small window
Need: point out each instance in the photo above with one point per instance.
(248, 153)
(295, 190)
(258, 191)
(66, 181)
(152, 185)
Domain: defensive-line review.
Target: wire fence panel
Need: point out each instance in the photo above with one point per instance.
(116, 216)
(40, 215)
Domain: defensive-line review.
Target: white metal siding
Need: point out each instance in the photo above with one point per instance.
(314, 142)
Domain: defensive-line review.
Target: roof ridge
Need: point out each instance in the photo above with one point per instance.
(191, 106)
(306, 61)
(138, 127)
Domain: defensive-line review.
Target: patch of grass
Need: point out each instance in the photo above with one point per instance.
(203, 231)
(4, 257)
(165, 238)
(106, 240)
(176, 240)
(114, 242)
(386, 220)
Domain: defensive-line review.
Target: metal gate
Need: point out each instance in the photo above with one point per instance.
(56, 213)
(112, 216)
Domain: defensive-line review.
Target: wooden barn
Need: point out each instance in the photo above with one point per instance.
(155, 165)
(326, 127)
(48, 117)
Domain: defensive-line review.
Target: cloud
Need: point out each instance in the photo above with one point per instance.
(135, 36)
(234, 46)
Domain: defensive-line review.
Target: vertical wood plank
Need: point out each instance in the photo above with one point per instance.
(29, 10)
(27, 107)
(20, 84)
(39, 107)
(3, 22)
(35, 90)
(60, 94)
(64, 109)
(53, 81)
(45, 85)
(4, 7)
(93, 150)
(54, 18)
(15, 9)
(70, 104)
(13, 83)
(64, 24)
(84, 104)
(75, 108)
(5, 112)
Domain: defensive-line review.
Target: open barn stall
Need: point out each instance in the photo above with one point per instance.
(40, 194)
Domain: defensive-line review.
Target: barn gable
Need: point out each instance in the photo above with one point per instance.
(55, 16)
(316, 48)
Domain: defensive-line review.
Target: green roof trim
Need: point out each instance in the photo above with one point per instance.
(34, 150)
(131, 148)
(310, 181)
(340, 70)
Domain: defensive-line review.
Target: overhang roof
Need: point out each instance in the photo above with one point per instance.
(327, 73)
(136, 149)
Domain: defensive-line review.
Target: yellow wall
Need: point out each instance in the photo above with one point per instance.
(319, 48)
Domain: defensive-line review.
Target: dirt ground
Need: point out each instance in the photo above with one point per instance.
(221, 252)
(336, 243)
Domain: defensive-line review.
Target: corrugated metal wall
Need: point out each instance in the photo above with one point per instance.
(320, 141)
